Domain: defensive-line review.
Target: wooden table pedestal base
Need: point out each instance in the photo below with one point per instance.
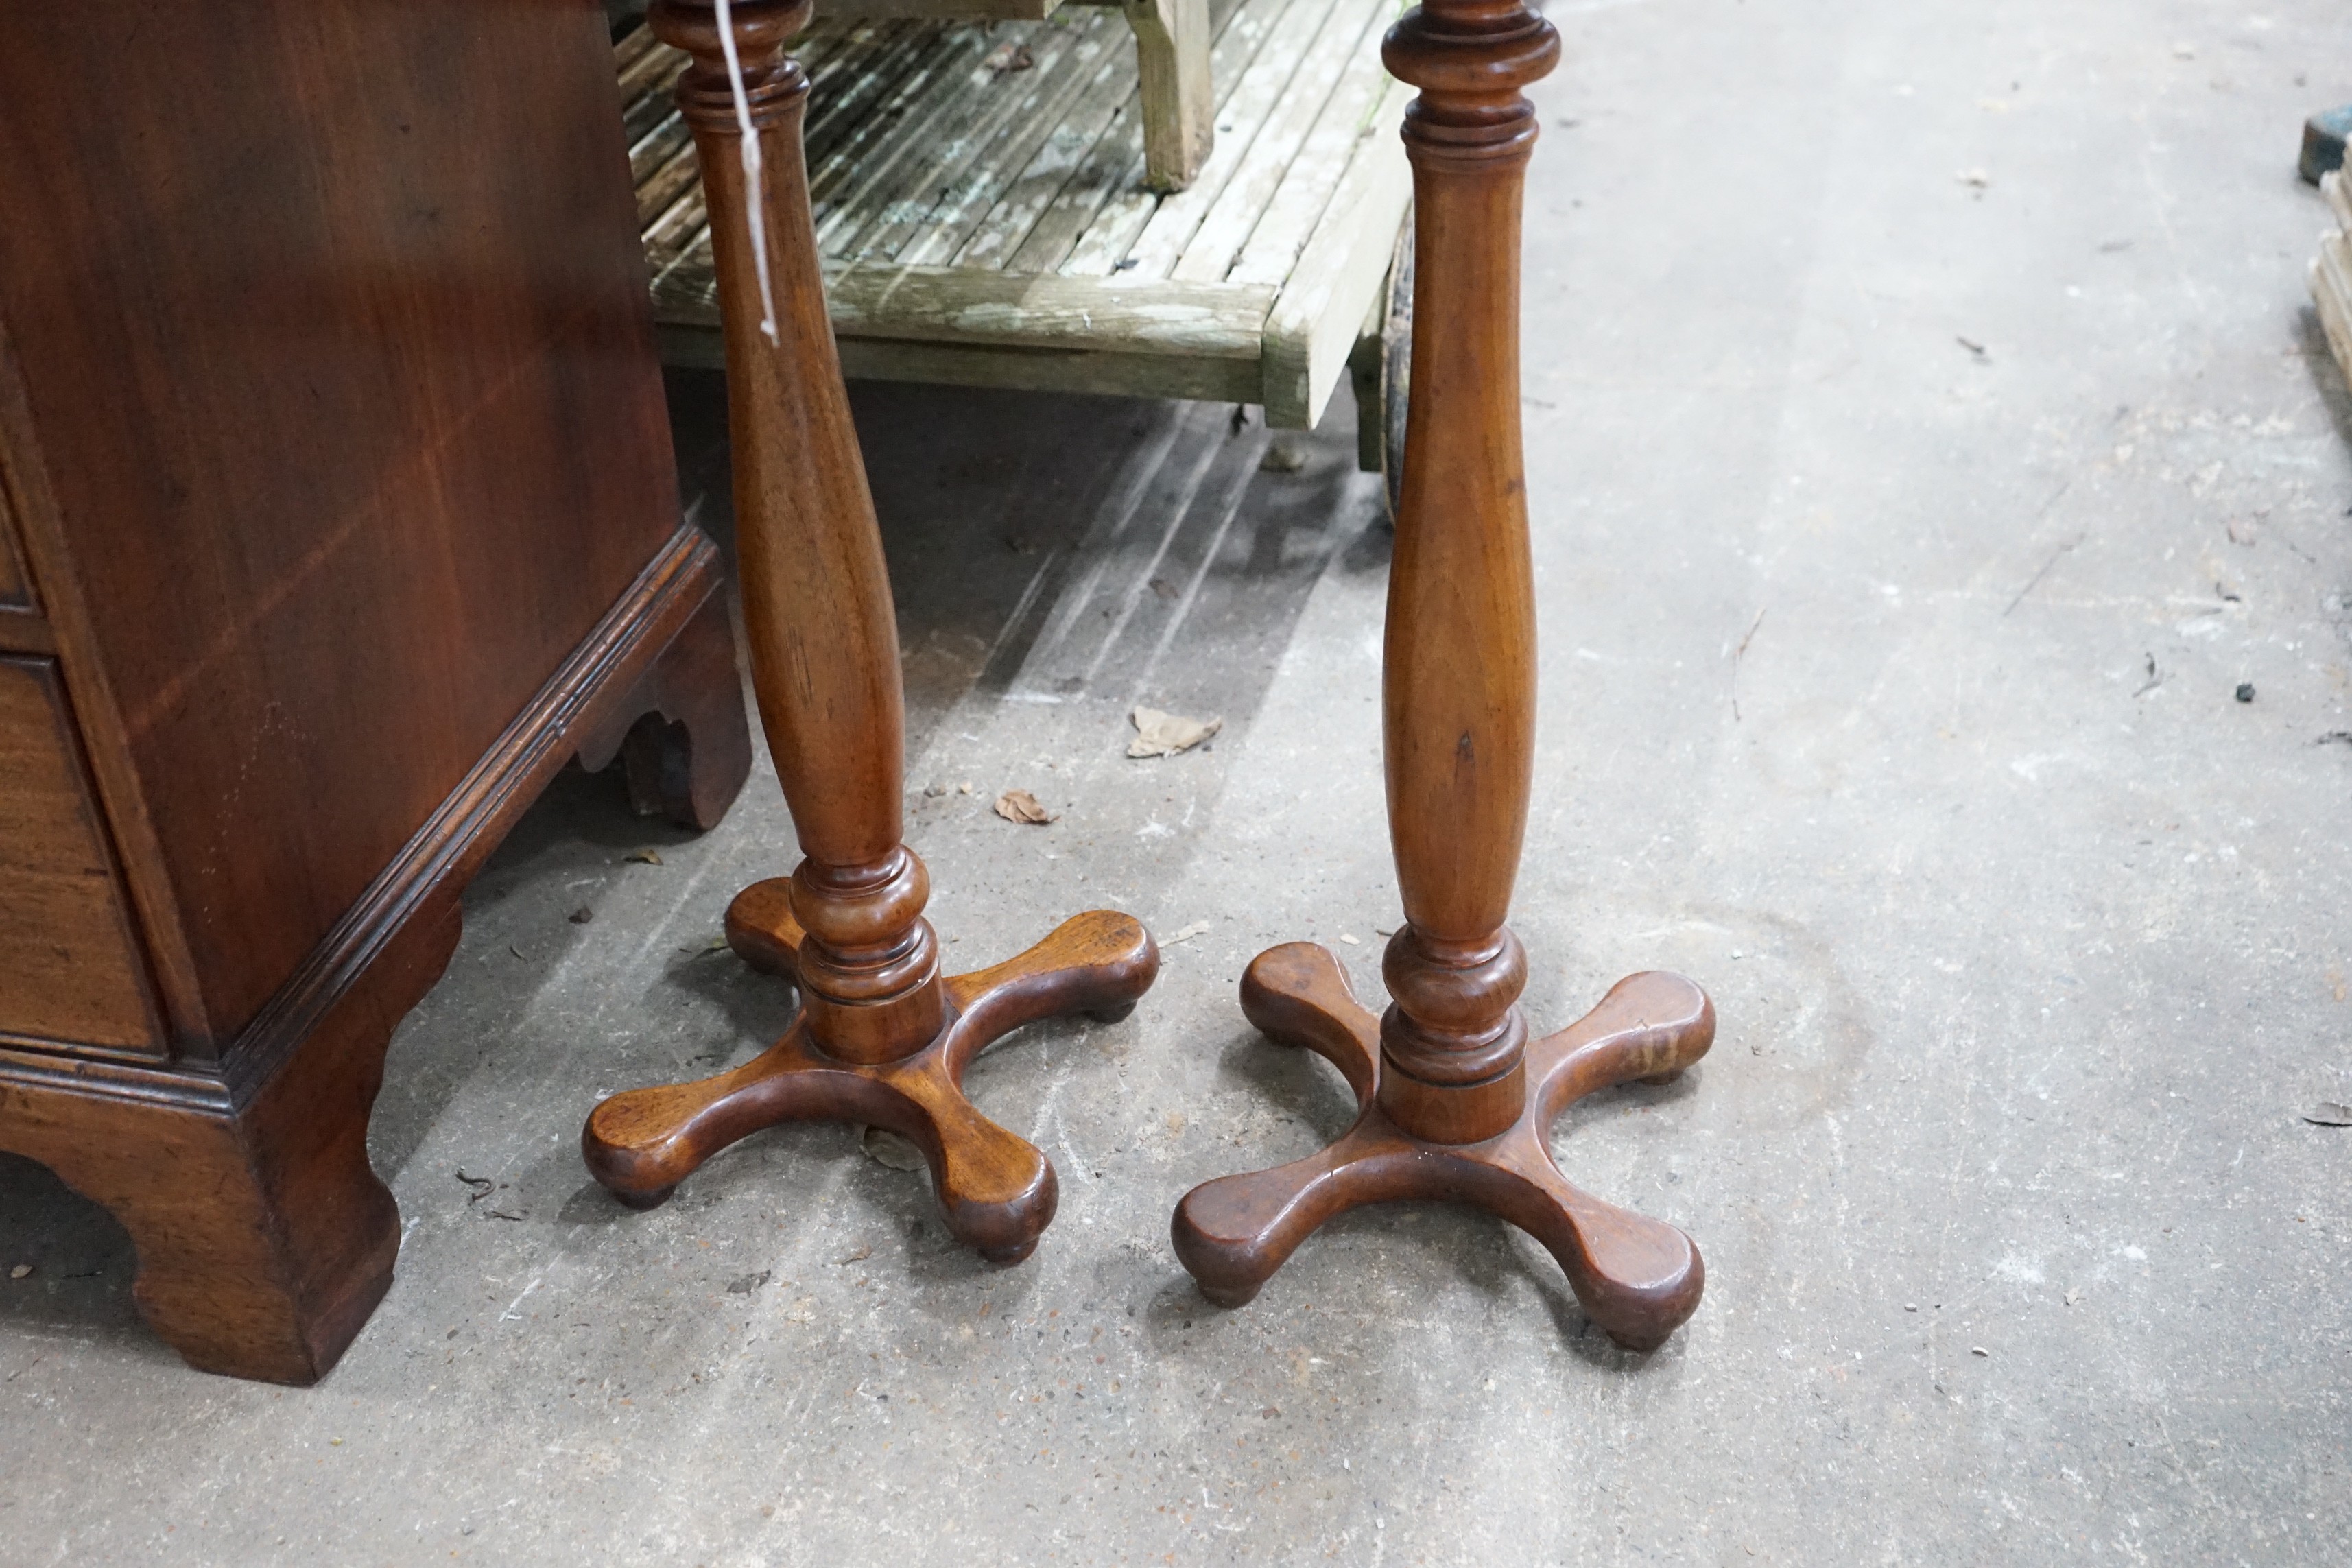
(995, 1189)
(882, 1037)
(1637, 1278)
(1457, 1103)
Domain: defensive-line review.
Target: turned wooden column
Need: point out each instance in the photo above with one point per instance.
(817, 596)
(881, 1037)
(1455, 1103)
(1459, 672)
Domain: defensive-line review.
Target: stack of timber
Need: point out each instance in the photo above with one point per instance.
(2331, 273)
(983, 218)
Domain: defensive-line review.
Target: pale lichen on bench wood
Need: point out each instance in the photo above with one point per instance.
(986, 217)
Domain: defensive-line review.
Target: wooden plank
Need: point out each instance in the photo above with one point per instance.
(1099, 212)
(1032, 160)
(649, 64)
(2339, 197)
(1316, 318)
(1335, 62)
(1313, 177)
(653, 149)
(1254, 99)
(870, 59)
(665, 184)
(889, 139)
(941, 10)
(2331, 290)
(661, 158)
(951, 304)
(1090, 229)
(643, 111)
(630, 47)
(1048, 370)
(954, 192)
(672, 219)
(1001, 365)
(1059, 160)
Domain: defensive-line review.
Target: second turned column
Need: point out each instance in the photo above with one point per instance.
(1455, 1103)
(881, 1037)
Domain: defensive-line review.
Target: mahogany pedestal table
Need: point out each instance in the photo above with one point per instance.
(1455, 1102)
(881, 1037)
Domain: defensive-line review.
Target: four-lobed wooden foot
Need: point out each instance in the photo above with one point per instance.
(1637, 1278)
(997, 1190)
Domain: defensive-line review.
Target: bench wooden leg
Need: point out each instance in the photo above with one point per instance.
(1180, 107)
(882, 1035)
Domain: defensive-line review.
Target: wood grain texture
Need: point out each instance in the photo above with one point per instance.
(1458, 675)
(265, 1238)
(2331, 272)
(1636, 1277)
(881, 1035)
(996, 1190)
(1338, 273)
(16, 587)
(979, 225)
(1453, 1101)
(1179, 101)
(373, 339)
(333, 438)
(70, 968)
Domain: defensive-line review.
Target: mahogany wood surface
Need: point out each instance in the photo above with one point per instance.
(72, 970)
(337, 513)
(1456, 1104)
(335, 280)
(881, 1035)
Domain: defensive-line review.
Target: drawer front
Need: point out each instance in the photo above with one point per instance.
(16, 588)
(70, 971)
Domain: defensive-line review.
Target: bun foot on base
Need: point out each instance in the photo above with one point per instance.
(1637, 1278)
(996, 1191)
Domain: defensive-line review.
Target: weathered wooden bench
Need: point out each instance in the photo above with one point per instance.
(999, 204)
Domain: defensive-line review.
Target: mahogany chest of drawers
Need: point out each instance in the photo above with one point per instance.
(337, 511)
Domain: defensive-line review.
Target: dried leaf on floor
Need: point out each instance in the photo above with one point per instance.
(1283, 458)
(2329, 1113)
(749, 1283)
(644, 857)
(1197, 927)
(1020, 805)
(857, 1255)
(1158, 734)
(22, 1271)
(885, 1147)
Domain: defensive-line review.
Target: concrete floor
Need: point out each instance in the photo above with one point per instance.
(1887, 689)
